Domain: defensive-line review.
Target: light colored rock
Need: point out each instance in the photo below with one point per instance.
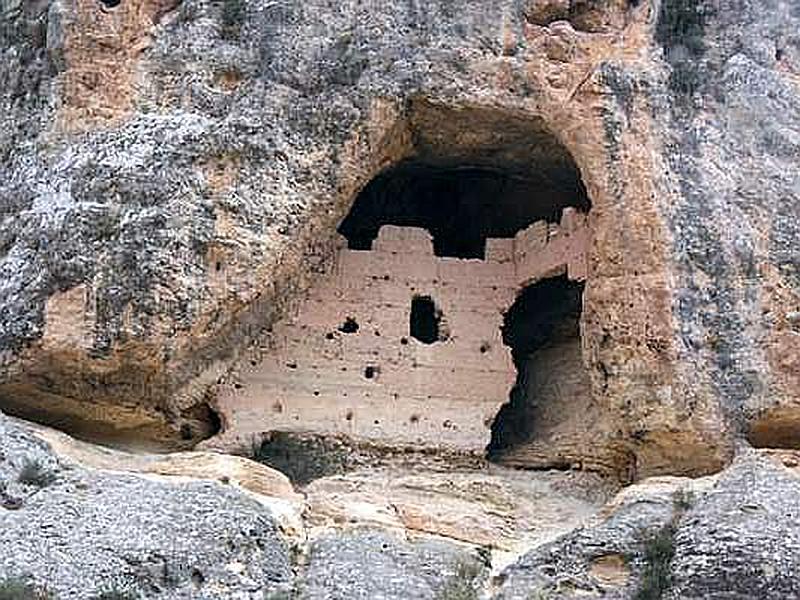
(366, 564)
(374, 380)
(236, 470)
(499, 509)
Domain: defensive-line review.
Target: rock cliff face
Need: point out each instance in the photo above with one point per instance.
(173, 174)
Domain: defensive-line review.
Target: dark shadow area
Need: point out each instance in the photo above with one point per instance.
(116, 426)
(350, 325)
(545, 315)
(199, 422)
(306, 457)
(424, 320)
(459, 206)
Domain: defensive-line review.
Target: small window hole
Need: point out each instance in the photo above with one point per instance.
(424, 320)
(350, 325)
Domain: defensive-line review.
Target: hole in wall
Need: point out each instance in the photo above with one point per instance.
(350, 325)
(541, 327)
(424, 320)
(202, 420)
(186, 432)
(110, 3)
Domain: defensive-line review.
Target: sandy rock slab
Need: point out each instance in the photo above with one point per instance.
(496, 508)
(78, 531)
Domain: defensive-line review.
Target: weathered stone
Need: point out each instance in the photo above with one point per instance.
(172, 177)
(222, 144)
(734, 535)
(366, 564)
(80, 531)
(501, 509)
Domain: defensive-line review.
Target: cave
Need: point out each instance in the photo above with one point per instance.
(542, 331)
(416, 333)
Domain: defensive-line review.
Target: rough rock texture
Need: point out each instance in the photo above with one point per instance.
(496, 508)
(734, 535)
(79, 532)
(369, 564)
(172, 175)
(396, 534)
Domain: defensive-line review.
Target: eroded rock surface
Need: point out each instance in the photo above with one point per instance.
(172, 177)
(734, 535)
(78, 531)
(367, 563)
(496, 508)
(392, 532)
(178, 172)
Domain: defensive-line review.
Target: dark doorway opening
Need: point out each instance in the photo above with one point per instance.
(459, 206)
(541, 328)
(424, 320)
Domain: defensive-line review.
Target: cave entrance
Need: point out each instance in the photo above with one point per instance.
(542, 329)
(461, 206)
(497, 192)
(400, 342)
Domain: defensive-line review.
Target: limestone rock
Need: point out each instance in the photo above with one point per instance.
(364, 564)
(500, 509)
(733, 535)
(78, 532)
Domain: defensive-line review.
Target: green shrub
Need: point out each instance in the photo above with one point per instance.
(35, 473)
(16, 588)
(278, 595)
(114, 592)
(659, 548)
(680, 29)
(234, 13)
(461, 586)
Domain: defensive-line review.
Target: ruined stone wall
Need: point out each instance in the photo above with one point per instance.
(347, 361)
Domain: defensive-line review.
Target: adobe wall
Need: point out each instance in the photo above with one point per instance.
(313, 376)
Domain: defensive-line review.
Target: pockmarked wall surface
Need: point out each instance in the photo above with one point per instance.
(348, 362)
